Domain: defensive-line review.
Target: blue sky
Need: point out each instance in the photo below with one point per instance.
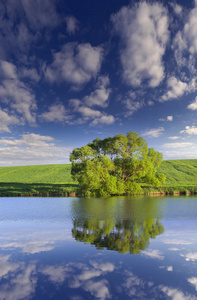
(72, 71)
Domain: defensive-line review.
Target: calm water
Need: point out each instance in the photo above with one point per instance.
(117, 248)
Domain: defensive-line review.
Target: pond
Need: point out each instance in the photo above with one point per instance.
(116, 248)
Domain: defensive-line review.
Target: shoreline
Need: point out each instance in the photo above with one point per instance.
(74, 194)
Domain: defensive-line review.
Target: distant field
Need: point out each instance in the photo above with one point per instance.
(33, 180)
(56, 179)
(179, 172)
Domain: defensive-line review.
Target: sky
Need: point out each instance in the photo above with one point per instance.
(73, 71)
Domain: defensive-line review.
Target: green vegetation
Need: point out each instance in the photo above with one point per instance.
(181, 176)
(98, 223)
(117, 165)
(42, 180)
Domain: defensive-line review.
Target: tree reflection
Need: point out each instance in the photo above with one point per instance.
(131, 234)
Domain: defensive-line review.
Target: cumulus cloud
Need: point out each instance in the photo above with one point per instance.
(55, 113)
(190, 130)
(155, 132)
(41, 13)
(193, 105)
(56, 274)
(176, 88)
(83, 276)
(32, 149)
(193, 281)
(105, 119)
(72, 24)
(168, 119)
(16, 93)
(88, 112)
(98, 289)
(75, 63)
(100, 95)
(30, 73)
(177, 145)
(144, 34)
(177, 8)
(22, 284)
(192, 256)
(175, 294)
(153, 254)
(100, 98)
(185, 41)
(132, 106)
(7, 120)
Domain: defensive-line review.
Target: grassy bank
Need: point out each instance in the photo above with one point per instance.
(45, 180)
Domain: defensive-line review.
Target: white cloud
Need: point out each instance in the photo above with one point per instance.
(169, 118)
(29, 140)
(8, 70)
(175, 294)
(101, 94)
(193, 281)
(17, 94)
(30, 247)
(193, 105)
(192, 256)
(32, 149)
(189, 154)
(7, 120)
(105, 119)
(186, 40)
(72, 24)
(174, 249)
(144, 34)
(190, 130)
(75, 63)
(89, 274)
(177, 145)
(174, 137)
(176, 242)
(30, 73)
(176, 88)
(7, 266)
(132, 106)
(155, 132)
(41, 14)
(55, 113)
(57, 274)
(88, 112)
(98, 289)
(177, 8)
(169, 268)
(104, 267)
(153, 254)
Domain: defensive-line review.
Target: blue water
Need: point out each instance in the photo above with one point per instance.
(117, 248)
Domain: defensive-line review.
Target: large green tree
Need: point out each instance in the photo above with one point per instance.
(116, 165)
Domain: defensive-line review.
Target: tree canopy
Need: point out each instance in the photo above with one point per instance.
(115, 166)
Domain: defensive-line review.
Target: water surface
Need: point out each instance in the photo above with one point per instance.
(117, 248)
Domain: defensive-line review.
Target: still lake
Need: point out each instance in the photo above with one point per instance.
(116, 248)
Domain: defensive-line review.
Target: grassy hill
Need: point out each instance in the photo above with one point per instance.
(56, 179)
(179, 172)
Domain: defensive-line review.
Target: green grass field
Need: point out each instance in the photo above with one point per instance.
(37, 180)
(181, 175)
